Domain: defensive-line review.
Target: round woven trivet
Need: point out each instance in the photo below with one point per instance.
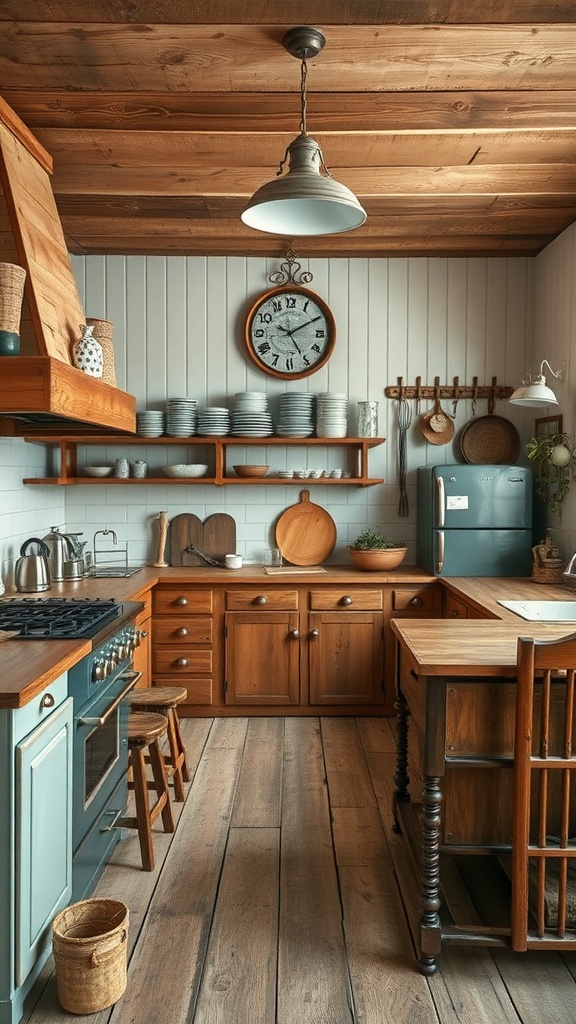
(490, 440)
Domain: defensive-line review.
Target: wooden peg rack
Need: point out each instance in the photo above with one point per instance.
(455, 391)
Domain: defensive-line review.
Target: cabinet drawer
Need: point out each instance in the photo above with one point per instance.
(267, 599)
(168, 600)
(415, 599)
(326, 600)
(198, 629)
(454, 607)
(181, 660)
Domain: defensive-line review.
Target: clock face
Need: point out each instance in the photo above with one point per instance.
(290, 332)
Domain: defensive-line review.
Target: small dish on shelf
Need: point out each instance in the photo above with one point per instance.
(251, 470)
(182, 469)
(98, 470)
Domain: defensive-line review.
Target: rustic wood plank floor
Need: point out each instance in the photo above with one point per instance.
(276, 900)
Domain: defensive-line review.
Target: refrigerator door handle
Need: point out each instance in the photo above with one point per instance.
(441, 501)
(440, 554)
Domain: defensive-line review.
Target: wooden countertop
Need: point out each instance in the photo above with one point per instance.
(27, 667)
(487, 647)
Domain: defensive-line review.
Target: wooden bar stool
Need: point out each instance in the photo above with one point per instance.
(164, 700)
(144, 733)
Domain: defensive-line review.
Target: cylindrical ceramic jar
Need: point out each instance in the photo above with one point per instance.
(139, 469)
(367, 419)
(122, 468)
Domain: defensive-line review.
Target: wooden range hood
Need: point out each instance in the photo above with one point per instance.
(41, 386)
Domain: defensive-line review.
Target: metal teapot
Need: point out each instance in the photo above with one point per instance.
(62, 548)
(31, 573)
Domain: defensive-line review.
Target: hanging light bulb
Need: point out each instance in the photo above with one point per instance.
(303, 201)
(534, 393)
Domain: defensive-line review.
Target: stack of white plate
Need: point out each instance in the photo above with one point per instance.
(296, 415)
(150, 423)
(331, 414)
(214, 421)
(251, 417)
(181, 417)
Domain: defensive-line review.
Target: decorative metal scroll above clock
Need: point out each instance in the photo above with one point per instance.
(290, 272)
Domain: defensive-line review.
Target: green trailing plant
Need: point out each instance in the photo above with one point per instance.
(371, 540)
(555, 461)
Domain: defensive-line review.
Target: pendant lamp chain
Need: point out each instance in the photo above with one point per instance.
(303, 104)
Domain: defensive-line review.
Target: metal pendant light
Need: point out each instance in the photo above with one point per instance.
(303, 201)
(533, 393)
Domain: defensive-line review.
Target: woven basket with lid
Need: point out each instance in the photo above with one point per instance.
(103, 331)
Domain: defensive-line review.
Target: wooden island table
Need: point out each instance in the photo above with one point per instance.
(455, 682)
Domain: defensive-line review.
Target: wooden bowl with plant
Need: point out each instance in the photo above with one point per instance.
(372, 551)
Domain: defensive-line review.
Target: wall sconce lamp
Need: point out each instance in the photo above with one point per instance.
(534, 392)
(303, 201)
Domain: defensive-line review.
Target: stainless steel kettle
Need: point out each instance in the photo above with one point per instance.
(62, 547)
(31, 573)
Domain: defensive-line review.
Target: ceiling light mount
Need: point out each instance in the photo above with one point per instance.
(303, 201)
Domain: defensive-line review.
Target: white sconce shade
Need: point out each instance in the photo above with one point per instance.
(533, 394)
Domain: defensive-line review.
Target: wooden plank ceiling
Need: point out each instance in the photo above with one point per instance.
(454, 121)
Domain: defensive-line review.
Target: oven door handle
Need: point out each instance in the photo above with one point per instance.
(132, 678)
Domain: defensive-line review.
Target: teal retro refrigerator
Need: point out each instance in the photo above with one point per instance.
(474, 520)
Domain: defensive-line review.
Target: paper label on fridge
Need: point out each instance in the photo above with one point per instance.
(456, 501)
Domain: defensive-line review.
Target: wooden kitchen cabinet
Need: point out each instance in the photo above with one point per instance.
(456, 607)
(142, 655)
(266, 646)
(184, 649)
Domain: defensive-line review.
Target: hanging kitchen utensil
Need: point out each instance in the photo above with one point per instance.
(436, 424)
(490, 440)
(404, 421)
(305, 533)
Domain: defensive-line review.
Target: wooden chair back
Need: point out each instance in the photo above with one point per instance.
(543, 913)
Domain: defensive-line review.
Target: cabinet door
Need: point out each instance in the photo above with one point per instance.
(346, 657)
(262, 658)
(43, 833)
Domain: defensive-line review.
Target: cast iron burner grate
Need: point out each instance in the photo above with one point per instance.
(57, 618)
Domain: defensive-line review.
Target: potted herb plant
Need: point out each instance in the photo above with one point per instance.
(555, 460)
(373, 551)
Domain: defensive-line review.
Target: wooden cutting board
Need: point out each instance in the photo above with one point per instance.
(305, 533)
(216, 537)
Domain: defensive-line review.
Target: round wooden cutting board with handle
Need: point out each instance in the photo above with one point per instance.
(305, 533)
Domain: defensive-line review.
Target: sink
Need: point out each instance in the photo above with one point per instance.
(543, 611)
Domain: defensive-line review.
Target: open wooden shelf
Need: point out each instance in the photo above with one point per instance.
(221, 475)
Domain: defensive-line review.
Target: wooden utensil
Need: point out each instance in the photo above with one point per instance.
(305, 533)
(215, 537)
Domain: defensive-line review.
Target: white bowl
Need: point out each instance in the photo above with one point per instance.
(98, 470)
(182, 469)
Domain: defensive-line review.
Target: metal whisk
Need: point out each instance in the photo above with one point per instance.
(404, 421)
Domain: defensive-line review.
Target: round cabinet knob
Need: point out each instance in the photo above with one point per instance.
(182, 631)
(182, 662)
(346, 600)
(294, 634)
(314, 634)
(261, 600)
(415, 602)
(455, 613)
(47, 701)
(181, 601)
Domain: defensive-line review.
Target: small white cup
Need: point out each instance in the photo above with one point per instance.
(233, 561)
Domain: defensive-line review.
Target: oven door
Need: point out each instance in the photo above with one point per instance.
(100, 752)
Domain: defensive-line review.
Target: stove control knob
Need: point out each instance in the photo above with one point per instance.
(98, 671)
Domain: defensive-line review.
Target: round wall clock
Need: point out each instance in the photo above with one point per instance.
(290, 332)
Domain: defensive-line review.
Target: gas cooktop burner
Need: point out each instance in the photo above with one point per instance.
(57, 618)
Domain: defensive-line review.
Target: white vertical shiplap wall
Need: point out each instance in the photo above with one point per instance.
(554, 339)
(179, 331)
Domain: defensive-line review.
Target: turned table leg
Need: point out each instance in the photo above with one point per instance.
(430, 931)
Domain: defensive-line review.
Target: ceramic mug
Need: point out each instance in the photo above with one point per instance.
(233, 561)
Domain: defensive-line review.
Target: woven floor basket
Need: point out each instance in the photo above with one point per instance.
(89, 942)
(103, 331)
(12, 279)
